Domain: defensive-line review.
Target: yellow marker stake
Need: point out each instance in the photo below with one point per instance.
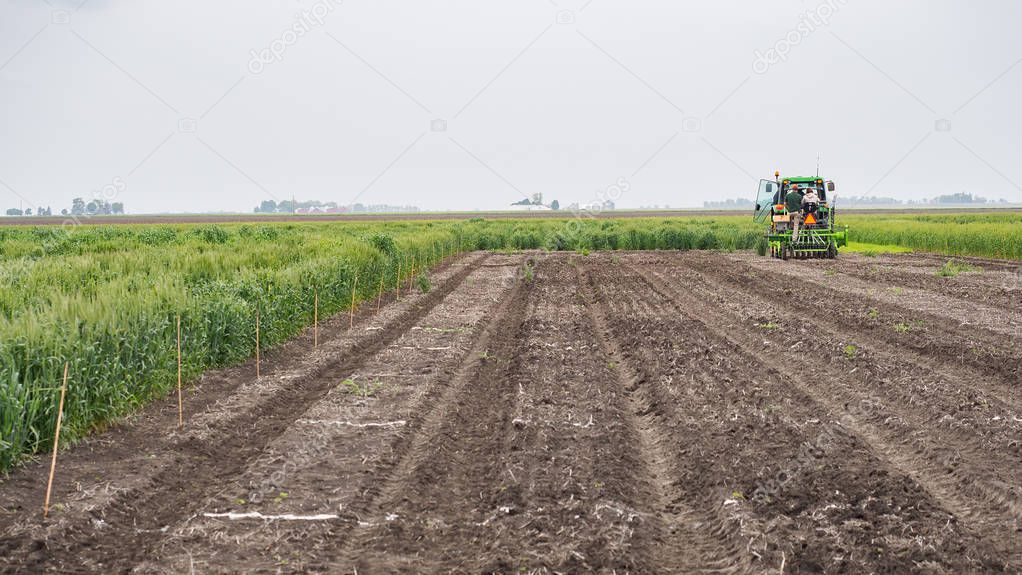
(180, 402)
(56, 443)
(351, 315)
(257, 344)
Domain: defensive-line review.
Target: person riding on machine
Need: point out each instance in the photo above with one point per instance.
(793, 203)
(810, 202)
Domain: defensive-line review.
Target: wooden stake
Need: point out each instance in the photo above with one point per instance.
(379, 297)
(315, 319)
(257, 344)
(56, 443)
(351, 313)
(180, 402)
(397, 282)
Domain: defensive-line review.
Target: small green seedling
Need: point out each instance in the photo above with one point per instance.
(363, 390)
(873, 314)
(423, 283)
(768, 325)
(952, 268)
(903, 327)
(851, 352)
(527, 272)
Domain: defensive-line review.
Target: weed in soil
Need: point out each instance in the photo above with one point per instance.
(363, 390)
(952, 268)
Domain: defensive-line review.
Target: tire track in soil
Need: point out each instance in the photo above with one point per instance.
(992, 361)
(955, 455)
(937, 260)
(996, 288)
(573, 496)
(960, 389)
(984, 504)
(423, 516)
(974, 315)
(684, 546)
(135, 518)
(740, 419)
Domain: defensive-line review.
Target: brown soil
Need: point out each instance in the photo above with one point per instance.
(655, 412)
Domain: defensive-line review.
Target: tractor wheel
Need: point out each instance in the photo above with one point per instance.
(831, 251)
(784, 252)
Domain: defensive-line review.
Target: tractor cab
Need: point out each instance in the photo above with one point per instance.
(816, 235)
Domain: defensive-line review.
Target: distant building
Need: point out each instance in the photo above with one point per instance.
(529, 208)
(594, 206)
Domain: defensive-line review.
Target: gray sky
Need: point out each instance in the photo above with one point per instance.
(165, 105)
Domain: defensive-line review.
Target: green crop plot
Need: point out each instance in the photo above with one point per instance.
(989, 235)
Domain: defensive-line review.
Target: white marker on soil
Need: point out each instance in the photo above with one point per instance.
(284, 517)
(397, 423)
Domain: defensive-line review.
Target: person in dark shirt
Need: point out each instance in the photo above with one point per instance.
(793, 201)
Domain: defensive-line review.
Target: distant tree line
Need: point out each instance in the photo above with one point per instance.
(730, 204)
(289, 206)
(318, 207)
(79, 207)
(28, 212)
(956, 199)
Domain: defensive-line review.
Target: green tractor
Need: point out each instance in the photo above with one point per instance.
(816, 235)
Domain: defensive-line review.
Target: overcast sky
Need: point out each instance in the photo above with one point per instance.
(196, 105)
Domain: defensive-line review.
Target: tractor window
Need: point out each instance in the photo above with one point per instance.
(805, 186)
(765, 198)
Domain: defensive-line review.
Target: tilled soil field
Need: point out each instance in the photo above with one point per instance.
(653, 412)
